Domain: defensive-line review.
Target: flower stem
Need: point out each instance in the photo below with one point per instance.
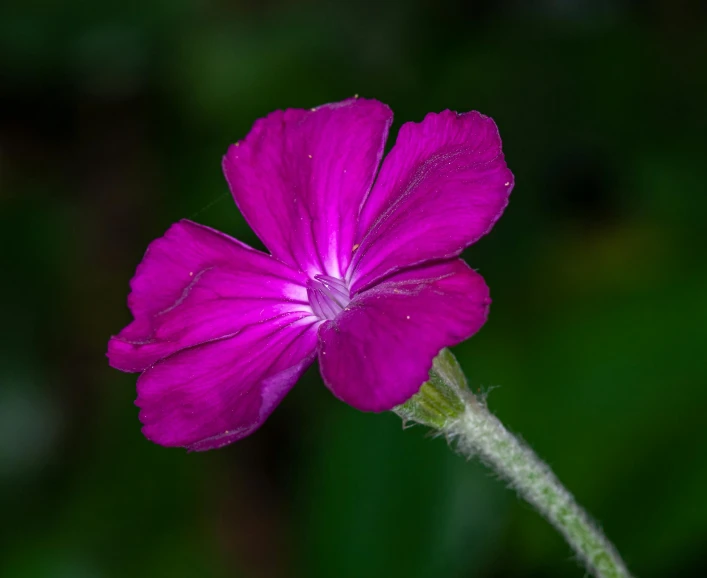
(478, 432)
(481, 433)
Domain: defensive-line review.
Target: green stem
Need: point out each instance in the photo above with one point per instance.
(446, 404)
(480, 433)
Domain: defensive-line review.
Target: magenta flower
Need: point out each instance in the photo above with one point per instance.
(363, 271)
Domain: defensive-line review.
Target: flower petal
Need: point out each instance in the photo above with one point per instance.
(300, 176)
(212, 394)
(378, 352)
(196, 284)
(443, 186)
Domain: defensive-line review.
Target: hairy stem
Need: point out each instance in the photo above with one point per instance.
(446, 404)
(479, 432)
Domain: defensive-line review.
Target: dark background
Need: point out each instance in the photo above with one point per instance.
(113, 120)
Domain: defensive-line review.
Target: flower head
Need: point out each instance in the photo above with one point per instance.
(363, 271)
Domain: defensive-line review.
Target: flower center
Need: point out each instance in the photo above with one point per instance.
(327, 295)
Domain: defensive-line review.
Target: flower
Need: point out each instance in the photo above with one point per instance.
(363, 271)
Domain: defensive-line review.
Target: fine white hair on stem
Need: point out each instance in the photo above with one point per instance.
(477, 432)
(447, 405)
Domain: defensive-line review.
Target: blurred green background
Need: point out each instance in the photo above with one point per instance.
(113, 120)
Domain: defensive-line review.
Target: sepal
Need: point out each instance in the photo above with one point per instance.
(440, 400)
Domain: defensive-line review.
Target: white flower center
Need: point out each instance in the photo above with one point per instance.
(327, 296)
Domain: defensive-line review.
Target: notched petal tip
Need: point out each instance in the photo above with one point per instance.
(300, 176)
(443, 186)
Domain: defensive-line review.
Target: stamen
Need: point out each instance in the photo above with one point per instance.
(327, 295)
